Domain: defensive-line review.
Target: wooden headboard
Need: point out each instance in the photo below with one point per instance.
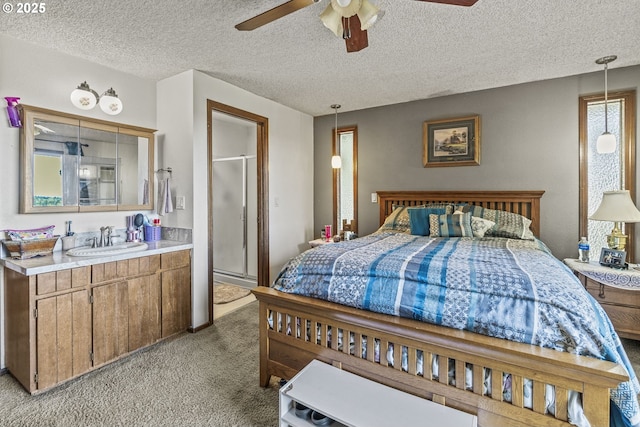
(525, 203)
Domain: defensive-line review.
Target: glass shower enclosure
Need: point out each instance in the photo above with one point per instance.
(235, 220)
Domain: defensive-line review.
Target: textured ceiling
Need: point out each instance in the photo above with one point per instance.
(418, 50)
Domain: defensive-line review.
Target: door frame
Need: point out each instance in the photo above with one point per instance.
(262, 164)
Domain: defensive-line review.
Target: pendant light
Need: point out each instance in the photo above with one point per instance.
(336, 161)
(606, 142)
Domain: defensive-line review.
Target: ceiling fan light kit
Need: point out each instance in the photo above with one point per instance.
(349, 19)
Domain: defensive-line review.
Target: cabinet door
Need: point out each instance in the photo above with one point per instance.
(144, 311)
(176, 301)
(110, 322)
(63, 337)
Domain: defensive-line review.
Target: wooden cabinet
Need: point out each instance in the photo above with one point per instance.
(63, 337)
(621, 305)
(176, 293)
(62, 324)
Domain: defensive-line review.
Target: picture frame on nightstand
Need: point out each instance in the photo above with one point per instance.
(613, 258)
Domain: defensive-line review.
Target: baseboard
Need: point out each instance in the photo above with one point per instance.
(3, 371)
(199, 328)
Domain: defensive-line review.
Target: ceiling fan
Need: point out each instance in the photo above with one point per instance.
(348, 19)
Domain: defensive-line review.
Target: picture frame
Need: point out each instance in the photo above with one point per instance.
(451, 142)
(613, 258)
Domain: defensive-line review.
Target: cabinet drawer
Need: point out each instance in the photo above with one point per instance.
(175, 259)
(136, 266)
(62, 280)
(610, 295)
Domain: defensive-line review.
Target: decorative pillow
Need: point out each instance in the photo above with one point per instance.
(480, 226)
(508, 224)
(398, 219)
(419, 219)
(453, 225)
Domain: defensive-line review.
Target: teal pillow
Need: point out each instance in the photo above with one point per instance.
(454, 225)
(419, 219)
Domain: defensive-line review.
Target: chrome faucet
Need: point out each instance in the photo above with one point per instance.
(101, 241)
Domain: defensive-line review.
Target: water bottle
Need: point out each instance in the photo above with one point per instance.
(583, 250)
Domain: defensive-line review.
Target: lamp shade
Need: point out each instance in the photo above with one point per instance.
(368, 15)
(336, 162)
(84, 97)
(616, 206)
(346, 8)
(332, 20)
(606, 143)
(110, 103)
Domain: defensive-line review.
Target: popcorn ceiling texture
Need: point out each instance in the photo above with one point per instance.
(417, 50)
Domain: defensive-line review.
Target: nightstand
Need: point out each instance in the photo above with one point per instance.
(617, 291)
(319, 242)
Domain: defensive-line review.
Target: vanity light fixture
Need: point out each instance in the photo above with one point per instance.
(606, 142)
(85, 98)
(336, 161)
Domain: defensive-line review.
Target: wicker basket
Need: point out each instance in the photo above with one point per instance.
(25, 249)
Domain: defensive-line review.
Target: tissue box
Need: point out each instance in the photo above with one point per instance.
(151, 233)
(25, 249)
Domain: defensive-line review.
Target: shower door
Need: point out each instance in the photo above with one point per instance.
(235, 216)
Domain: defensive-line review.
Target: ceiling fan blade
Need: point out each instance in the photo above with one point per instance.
(359, 38)
(453, 2)
(273, 14)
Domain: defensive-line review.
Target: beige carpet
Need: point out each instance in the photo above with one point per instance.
(209, 378)
(224, 293)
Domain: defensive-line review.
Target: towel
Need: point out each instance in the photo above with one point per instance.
(165, 205)
(145, 192)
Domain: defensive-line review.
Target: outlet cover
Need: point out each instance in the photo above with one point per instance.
(180, 202)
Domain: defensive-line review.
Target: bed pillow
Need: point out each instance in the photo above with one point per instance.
(480, 226)
(398, 220)
(450, 225)
(419, 219)
(508, 224)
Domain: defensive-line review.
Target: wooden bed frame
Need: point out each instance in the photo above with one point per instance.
(286, 348)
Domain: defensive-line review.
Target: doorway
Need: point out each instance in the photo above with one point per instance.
(238, 198)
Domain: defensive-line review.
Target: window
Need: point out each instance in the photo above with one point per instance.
(606, 172)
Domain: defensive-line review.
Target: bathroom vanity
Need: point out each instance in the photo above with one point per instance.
(66, 316)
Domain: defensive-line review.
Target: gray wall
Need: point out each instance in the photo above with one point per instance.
(529, 140)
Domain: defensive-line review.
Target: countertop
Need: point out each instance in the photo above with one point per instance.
(58, 260)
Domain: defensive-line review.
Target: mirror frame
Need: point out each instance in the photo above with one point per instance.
(29, 114)
(336, 172)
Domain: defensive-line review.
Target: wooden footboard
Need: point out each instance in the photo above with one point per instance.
(295, 330)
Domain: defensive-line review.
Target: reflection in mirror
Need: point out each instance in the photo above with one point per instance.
(133, 156)
(345, 181)
(55, 160)
(97, 170)
(71, 163)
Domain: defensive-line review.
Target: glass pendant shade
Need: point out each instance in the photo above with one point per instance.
(368, 15)
(110, 103)
(83, 97)
(332, 20)
(346, 8)
(606, 143)
(336, 162)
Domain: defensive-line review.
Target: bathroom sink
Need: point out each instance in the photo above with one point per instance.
(118, 249)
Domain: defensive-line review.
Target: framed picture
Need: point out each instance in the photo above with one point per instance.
(613, 258)
(451, 142)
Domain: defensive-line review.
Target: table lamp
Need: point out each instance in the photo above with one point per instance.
(616, 206)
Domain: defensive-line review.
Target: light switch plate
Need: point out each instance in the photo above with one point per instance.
(180, 202)
(374, 197)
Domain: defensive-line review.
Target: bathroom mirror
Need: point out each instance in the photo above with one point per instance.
(71, 163)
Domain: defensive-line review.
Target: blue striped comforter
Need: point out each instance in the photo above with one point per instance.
(505, 288)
